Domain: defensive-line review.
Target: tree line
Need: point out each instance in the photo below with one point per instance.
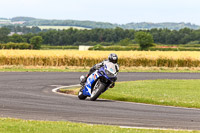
(95, 36)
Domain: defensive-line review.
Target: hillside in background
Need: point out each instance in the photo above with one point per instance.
(30, 21)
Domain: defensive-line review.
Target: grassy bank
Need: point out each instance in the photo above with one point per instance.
(23, 126)
(180, 93)
(13, 68)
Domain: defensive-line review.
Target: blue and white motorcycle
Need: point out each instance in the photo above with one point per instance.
(98, 82)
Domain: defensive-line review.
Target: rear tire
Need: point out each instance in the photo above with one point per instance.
(97, 90)
(80, 95)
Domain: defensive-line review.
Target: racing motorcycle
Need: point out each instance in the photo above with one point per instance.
(98, 82)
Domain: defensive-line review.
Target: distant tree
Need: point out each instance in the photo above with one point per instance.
(35, 29)
(27, 37)
(16, 38)
(36, 42)
(125, 42)
(144, 39)
(4, 34)
(119, 34)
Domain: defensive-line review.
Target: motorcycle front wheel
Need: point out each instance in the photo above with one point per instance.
(97, 90)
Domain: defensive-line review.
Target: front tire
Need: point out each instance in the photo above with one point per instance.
(80, 95)
(97, 90)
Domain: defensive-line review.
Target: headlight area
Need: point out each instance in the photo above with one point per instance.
(109, 74)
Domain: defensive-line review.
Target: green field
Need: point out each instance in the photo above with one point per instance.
(8, 125)
(60, 27)
(179, 93)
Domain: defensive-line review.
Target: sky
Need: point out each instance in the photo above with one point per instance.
(113, 11)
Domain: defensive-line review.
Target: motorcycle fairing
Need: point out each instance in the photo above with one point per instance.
(88, 86)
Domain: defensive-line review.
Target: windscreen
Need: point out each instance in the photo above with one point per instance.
(111, 67)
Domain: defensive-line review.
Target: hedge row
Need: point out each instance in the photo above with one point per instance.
(115, 48)
(58, 47)
(12, 45)
(134, 48)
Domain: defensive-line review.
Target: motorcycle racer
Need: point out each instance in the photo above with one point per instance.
(111, 58)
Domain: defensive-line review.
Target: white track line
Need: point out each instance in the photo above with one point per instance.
(56, 89)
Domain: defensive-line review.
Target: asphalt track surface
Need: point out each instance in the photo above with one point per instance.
(28, 95)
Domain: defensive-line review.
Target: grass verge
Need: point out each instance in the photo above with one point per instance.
(8, 125)
(86, 69)
(179, 93)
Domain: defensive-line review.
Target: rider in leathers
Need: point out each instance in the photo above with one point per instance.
(111, 58)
